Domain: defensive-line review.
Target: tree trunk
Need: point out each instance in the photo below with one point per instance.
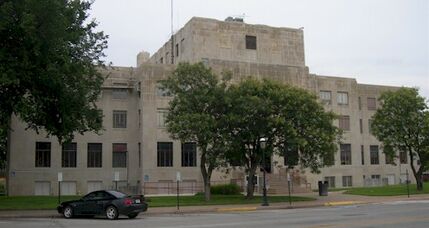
(417, 174)
(206, 173)
(251, 182)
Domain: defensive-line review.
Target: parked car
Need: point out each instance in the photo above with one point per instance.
(109, 203)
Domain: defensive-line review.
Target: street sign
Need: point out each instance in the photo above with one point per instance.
(60, 176)
(116, 178)
(178, 176)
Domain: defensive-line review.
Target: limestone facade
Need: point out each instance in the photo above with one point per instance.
(246, 50)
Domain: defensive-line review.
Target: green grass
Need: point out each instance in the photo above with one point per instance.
(51, 202)
(198, 200)
(392, 190)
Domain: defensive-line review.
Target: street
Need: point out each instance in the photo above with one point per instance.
(391, 214)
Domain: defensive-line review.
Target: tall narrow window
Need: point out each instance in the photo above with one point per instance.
(360, 103)
(95, 155)
(161, 116)
(389, 159)
(140, 154)
(373, 150)
(362, 154)
(182, 45)
(371, 103)
(325, 97)
(344, 123)
(43, 154)
(369, 126)
(165, 154)
(189, 154)
(346, 154)
(360, 126)
(69, 155)
(119, 155)
(403, 158)
(342, 98)
(177, 49)
(119, 119)
(251, 42)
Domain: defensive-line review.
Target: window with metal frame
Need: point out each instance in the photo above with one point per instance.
(165, 154)
(189, 154)
(95, 155)
(119, 155)
(68, 158)
(43, 154)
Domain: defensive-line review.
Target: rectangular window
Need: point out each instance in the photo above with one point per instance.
(177, 49)
(189, 154)
(95, 153)
(162, 92)
(371, 103)
(389, 159)
(162, 116)
(119, 119)
(119, 93)
(347, 181)
(331, 181)
(140, 154)
(165, 154)
(167, 57)
(373, 150)
(403, 158)
(119, 155)
(251, 42)
(43, 154)
(325, 96)
(344, 123)
(369, 126)
(161, 60)
(342, 98)
(346, 154)
(182, 47)
(362, 154)
(361, 126)
(376, 177)
(360, 103)
(68, 158)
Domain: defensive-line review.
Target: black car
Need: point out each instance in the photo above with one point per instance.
(110, 203)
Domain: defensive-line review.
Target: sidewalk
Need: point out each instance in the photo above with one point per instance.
(333, 199)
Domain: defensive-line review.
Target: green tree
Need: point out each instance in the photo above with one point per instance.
(290, 119)
(402, 124)
(195, 112)
(49, 59)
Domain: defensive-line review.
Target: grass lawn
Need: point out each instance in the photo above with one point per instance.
(50, 202)
(392, 190)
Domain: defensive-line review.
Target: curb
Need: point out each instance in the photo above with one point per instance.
(343, 203)
(237, 209)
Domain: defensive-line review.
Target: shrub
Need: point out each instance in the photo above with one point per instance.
(225, 189)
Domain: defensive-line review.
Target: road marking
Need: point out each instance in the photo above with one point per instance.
(343, 203)
(236, 209)
(405, 202)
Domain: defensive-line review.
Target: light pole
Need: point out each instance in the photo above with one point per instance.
(262, 142)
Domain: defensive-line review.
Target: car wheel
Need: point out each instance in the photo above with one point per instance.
(112, 212)
(133, 215)
(68, 212)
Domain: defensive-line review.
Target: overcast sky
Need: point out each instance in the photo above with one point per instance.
(375, 41)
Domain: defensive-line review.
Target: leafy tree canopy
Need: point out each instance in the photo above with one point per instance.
(293, 122)
(49, 54)
(402, 124)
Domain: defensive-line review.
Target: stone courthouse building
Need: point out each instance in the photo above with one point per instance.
(136, 154)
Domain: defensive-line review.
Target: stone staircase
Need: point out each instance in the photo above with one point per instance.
(278, 184)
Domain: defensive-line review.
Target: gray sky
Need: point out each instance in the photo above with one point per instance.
(375, 41)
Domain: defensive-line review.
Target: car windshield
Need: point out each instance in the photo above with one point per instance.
(117, 194)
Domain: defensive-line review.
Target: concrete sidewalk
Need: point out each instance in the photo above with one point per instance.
(333, 199)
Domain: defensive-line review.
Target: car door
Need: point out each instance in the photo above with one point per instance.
(103, 199)
(87, 205)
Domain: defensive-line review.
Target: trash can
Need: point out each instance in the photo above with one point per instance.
(323, 188)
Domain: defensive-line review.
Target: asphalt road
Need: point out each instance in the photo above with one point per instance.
(392, 214)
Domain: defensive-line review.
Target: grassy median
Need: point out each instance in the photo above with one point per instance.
(51, 202)
(390, 190)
